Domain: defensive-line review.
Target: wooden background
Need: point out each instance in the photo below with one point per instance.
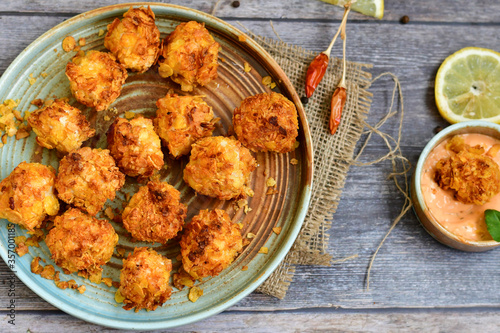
(416, 282)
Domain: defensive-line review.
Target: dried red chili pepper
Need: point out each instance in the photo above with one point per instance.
(339, 95)
(338, 101)
(315, 72)
(318, 66)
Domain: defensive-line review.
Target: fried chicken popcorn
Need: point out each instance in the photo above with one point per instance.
(266, 122)
(472, 175)
(87, 178)
(210, 243)
(190, 56)
(27, 195)
(220, 167)
(135, 40)
(135, 146)
(144, 280)
(79, 242)
(182, 120)
(96, 79)
(60, 126)
(155, 213)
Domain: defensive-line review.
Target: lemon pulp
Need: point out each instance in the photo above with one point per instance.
(468, 86)
(374, 8)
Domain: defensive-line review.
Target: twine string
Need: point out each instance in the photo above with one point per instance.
(400, 164)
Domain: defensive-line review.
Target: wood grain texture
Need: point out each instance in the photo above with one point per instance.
(418, 10)
(412, 271)
(292, 321)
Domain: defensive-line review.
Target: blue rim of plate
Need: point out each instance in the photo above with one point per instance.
(63, 304)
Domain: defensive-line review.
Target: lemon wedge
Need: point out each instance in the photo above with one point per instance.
(374, 8)
(468, 86)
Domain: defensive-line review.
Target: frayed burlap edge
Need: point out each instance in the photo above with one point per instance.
(332, 153)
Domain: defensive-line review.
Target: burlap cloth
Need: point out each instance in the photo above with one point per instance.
(332, 153)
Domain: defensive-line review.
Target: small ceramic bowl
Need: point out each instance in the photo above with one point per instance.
(429, 223)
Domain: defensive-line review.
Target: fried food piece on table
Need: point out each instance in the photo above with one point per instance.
(190, 56)
(27, 195)
(95, 78)
(220, 167)
(80, 242)
(87, 178)
(182, 120)
(472, 175)
(135, 146)
(266, 122)
(135, 40)
(144, 280)
(155, 213)
(60, 126)
(210, 243)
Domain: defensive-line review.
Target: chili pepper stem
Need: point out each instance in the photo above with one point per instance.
(344, 62)
(328, 51)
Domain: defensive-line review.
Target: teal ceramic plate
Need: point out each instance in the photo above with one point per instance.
(45, 61)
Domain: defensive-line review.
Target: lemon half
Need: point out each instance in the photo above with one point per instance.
(374, 8)
(468, 86)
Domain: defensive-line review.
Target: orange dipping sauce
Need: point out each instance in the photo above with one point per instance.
(463, 220)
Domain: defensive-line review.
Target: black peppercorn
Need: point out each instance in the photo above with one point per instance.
(437, 129)
(235, 4)
(405, 19)
(304, 100)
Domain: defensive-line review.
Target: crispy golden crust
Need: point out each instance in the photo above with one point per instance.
(473, 176)
(87, 178)
(220, 167)
(210, 243)
(135, 40)
(27, 195)
(79, 242)
(190, 56)
(135, 146)
(182, 120)
(144, 280)
(155, 213)
(266, 122)
(60, 126)
(96, 79)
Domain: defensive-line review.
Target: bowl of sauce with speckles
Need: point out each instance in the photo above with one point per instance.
(442, 211)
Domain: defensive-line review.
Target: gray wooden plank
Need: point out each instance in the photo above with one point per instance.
(412, 269)
(295, 321)
(417, 10)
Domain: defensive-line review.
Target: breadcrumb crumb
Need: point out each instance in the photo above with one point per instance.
(194, 294)
(264, 250)
(247, 67)
(68, 44)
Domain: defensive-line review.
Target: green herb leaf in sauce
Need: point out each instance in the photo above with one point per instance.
(492, 218)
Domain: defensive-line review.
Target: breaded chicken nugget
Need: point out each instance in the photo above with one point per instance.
(220, 167)
(155, 213)
(135, 146)
(144, 280)
(210, 243)
(60, 126)
(79, 242)
(135, 40)
(182, 120)
(87, 178)
(27, 195)
(266, 122)
(190, 56)
(96, 79)
(473, 176)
